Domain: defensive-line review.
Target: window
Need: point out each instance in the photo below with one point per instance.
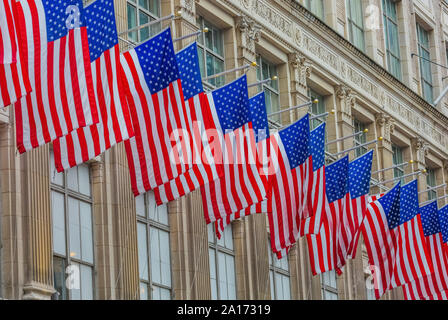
(71, 202)
(397, 158)
(222, 264)
(141, 12)
(425, 65)
(317, 108)
(431, 182)
(392, 39)
(265, 71)
(355, 23)
(211, 53)
(329, 285)
(360, 139)
(279, 277)
(154, 261)
(316, 7)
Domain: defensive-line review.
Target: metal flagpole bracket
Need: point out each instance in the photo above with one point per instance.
(348, 137)
(323, 115)
(160, 20)
(399, 178)
(308, 104)
(262, 82)
(253, 64)
(357, 147)
(197, 33)
(404, 164)
(438, 199)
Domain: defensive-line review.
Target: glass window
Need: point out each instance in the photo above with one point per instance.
(431, 182)
(360, 139)
(397, 158)
(355, 19)
(141, 12)
(72, 225)
(222, 264)
(329, 285)
(391, 37)
(211, 53)
(425, 65)
(279, 276)
(316, 7)
(154, 253)
(267, 70)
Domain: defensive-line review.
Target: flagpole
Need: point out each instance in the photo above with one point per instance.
(313, 118)
(433, 188)
(347, 137)
(394, 167)
(295, 107)
(197, 33)
(253, 64)
(262, 82)
(399, 178)
(170, 17)
(438, 199)
(357, 147)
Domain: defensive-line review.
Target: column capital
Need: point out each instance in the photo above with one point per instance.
(250, 33)
(421, 148)
(386, 125)
(348, 99)
(301, 70)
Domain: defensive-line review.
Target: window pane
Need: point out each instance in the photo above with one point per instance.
(56, 178)
(132, 21)
(142, 251)
(165, 261)
(86, 232)
(72, 179)
(222, 275)
(140, 205)
(74, 228)
(271, 279)
(155, 293)
(86, 283)
(84, 179)
(144, 19)
(58, 215)
(156, 267)
(211, 233)
(144, 291)
(228, 237)
(59, 278)
(230, 275)
(75, 274)
(279, 286)
(286, 288)
(165, 294)
(213, 284)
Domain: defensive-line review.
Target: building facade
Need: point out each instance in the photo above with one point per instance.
(83, 235)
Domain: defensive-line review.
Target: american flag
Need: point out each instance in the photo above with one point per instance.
(316, 208)
(53, 39)
(157, 153)
(204, 168)
(432, 287)
(325, 247)
(289, 151)
(359, 175)
(8, 44)
(242, 184)
(413, 260)
(381, 242)
(261, 127)
(14, 81)
(115, 124)
(443, 219)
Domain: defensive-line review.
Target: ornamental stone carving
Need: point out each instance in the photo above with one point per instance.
(421, 148)
(348, 100)
(301, 71)
(250, 34)
(386, 126)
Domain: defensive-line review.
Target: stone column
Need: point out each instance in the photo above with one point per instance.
(300, 70)
(342, 119)
(420, 151)
(385, 126)
(187, 24)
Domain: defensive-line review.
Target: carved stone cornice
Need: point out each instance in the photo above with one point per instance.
(250, 34)
(301, 70)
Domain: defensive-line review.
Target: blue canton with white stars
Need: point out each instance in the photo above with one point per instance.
(430, 219)
(259, 116)
(409, 207)
(56, 17)
(158, 61)
(296, 139)
(190, 74)
(360, 172)
(317, 146)
(232, 104)
(101, 27)
(391, 206)
(443, 220)
(336, 179)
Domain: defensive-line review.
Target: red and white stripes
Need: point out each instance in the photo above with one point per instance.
(8, 44)
(432, 287)
(62, 97)
(115, 124)
(153, 154)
